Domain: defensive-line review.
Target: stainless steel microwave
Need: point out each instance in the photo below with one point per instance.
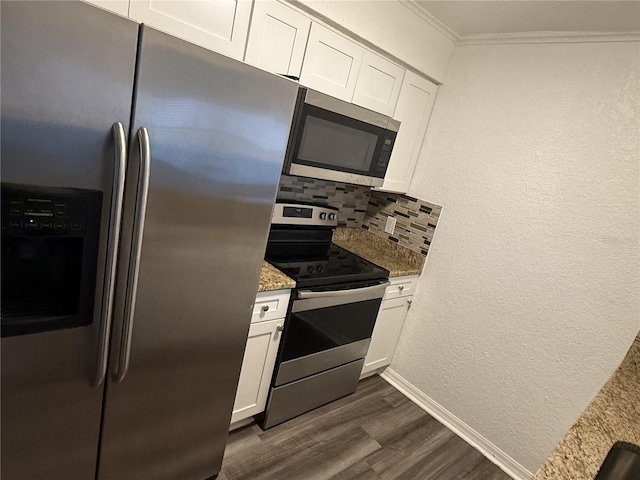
(335, 140)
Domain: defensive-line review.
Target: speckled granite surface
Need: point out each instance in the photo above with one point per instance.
(398, 260)
(273, 279)
(613, 415)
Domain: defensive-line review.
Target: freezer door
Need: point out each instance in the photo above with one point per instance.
(67, 77)
(218, 131)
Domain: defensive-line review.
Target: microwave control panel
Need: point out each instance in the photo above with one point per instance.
(380, 167)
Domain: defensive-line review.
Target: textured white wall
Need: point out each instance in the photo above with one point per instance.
(530, 296)
(392, 27)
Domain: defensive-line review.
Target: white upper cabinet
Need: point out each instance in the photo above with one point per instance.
(378, 84)
(277, 38)
(219, 25)
(331, 63)
(120, 7)
(413, 111)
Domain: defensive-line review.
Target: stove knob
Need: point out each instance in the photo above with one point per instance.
(332, 216)
(310, 269)
(319, 269)
(323, 216)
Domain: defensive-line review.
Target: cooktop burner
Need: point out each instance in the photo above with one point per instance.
(319, 265)
(300, 245)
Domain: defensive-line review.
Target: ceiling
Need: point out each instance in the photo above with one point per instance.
(490, 17)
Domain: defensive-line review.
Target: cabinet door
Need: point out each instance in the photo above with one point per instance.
(277, 38)
(386, 333)
(120, 7)
(413, 111)
(378, 85)
(257, 369)
(219, 25)
(331, 64)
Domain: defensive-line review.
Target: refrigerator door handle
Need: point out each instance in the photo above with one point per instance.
(115, 220)
(134, 259)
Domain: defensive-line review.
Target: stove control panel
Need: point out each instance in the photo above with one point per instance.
(304, 214)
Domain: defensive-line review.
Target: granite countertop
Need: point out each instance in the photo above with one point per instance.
(613, 415)
(273, 279)
(400, 261)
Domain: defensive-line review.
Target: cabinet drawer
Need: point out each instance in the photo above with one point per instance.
(401, 287)
(270, 305)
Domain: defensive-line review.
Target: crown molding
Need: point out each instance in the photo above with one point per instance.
(519, 38)
(548, 37)
(430, 19)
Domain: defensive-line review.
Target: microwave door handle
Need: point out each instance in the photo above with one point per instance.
(115, 220)
(134, 259)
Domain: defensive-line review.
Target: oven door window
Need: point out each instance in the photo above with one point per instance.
(314, 331)
(331, 140)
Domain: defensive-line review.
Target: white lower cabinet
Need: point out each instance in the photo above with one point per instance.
(259, 357)
(391, 317)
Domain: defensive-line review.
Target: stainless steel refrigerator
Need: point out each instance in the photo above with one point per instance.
(139, 173)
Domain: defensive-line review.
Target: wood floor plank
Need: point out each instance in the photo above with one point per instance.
(375, 434)
(442, 461)
(355, 408)
(400, 455)
(309, 455)
(395, 423)
(358, 471)
(485, 470)
(242, 440)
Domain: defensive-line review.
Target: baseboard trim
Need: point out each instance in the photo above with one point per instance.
(464, 431)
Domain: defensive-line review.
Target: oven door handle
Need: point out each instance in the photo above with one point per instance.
(304, 294)
(308, 299)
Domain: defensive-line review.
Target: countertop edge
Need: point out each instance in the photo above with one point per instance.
(272, 279)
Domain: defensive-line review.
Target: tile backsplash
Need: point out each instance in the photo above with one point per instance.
(362, 207)
(352, 200)
(416, 219)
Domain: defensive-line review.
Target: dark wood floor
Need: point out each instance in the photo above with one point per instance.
(374, 434)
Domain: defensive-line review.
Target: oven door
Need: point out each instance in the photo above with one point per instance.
(335, 140)
(328, 328)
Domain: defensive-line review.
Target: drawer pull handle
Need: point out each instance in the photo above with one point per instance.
(401, 287)
(265, 308)
(279, 328)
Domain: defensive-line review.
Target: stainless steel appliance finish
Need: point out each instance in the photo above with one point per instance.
(67, 77)
(217, 130)
(350, 110)
(336, 140)
(301, 214)
(310, 300)
(308, 393)
(207, 139)
(321, 361)
(330, 320)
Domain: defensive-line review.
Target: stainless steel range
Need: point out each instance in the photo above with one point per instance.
(331, 315)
